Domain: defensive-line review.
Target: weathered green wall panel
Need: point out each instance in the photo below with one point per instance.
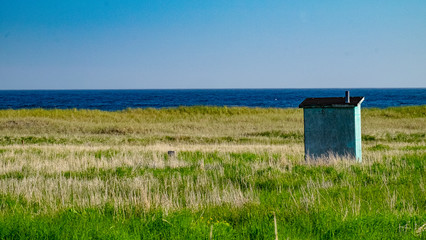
(332, 130)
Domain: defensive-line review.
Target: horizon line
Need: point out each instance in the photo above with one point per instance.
(130, 89)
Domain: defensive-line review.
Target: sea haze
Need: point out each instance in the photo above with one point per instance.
(111, 100)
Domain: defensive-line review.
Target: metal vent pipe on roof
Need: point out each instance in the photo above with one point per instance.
(347, 97)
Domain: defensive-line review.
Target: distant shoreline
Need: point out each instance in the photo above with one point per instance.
(189, 107)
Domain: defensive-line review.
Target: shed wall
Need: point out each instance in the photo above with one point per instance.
(332, 130)
(358, 147)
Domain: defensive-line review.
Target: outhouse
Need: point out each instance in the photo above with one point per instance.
(332, 125)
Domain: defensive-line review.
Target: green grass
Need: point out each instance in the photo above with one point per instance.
(310, 201)
(247, 223)
(83, 174)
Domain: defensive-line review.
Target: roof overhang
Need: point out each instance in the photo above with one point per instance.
(333, 102)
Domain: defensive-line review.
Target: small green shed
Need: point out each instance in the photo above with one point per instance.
(332, 126)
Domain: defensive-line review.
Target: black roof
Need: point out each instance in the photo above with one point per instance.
(331, 102)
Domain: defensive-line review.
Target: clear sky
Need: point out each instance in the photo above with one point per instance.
(88, 44)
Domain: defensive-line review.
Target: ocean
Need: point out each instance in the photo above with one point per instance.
(112, 100)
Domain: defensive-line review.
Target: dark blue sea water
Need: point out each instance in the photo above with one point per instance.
(111, 100)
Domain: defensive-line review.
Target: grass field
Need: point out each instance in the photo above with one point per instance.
(83, 174)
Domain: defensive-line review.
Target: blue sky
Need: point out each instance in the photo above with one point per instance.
(80, 44)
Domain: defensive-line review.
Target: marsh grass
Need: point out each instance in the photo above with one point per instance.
(107, 175)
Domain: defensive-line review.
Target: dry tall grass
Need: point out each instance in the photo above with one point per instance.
(58, 159)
